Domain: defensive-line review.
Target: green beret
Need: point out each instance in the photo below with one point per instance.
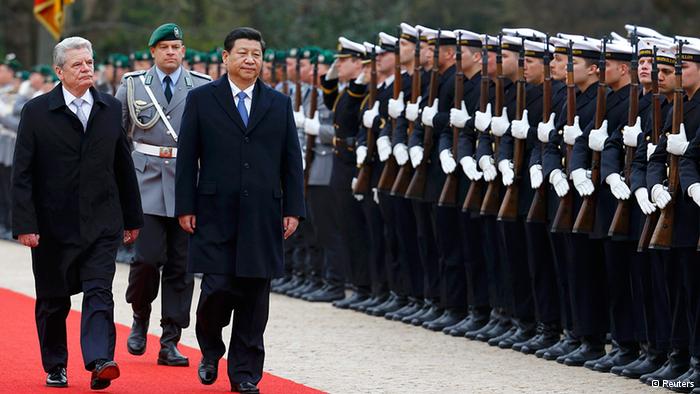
(280, 55)
(43, 69)
(166, 32)
(293, 52)
(23, 75)
(121, 60)
(327, 57)
(310, 52)
(12, 62)
(269, 55)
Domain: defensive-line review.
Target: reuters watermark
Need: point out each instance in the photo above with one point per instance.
(673, 384)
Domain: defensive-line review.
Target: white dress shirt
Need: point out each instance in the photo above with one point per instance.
(87, 101)
(249, 91)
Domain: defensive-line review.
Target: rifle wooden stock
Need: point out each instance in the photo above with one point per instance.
(391, 167)
(364, 176)
(662, 237)
(538, 207)
(311, 139)
(490, 203)
(448, 195)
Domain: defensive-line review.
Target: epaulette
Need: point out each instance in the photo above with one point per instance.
(200, 75)
(134, 73)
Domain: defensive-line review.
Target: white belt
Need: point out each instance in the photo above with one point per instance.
(158, 151)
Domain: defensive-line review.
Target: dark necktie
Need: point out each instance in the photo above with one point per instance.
(167, 91)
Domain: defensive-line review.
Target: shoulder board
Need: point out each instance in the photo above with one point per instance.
(135, 73)
(200, 75)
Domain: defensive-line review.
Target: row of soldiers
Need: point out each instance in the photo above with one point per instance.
(537, 193)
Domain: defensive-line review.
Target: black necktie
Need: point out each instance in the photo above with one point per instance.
(168, 92)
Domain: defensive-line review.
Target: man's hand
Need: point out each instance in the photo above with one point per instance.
(618, 187)
(429, 113)
(412, 110)
(543, 129)
(290, 225)
(597, 137)
(401, 153)
(500, 124)
(369, 115)
(520, 128)
(572, 132)
(416, 154)
(507, 173)
(469, 167)
(360, 154)
(188, 223)
(312, 125)
(677, 143)
(29, 240)
(332, 71)
(130, 236)
(483, 119)
(582, 182)
(383, 148)
(459, 117)
(299, 119)
(643, 201)
(558, 180)
(660, 196)
(486, 164)
(447, 162)
(397, 106)
(631, 133)
(536, 176)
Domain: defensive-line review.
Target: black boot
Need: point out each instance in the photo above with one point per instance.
(626, 353)
(505, 335)
(433, 312)
(524, 332)
(653, 360)
(356, 296)
(547, 335)
(686, 382)
(412, 307)
(567, 345)
(314, 284)
(590, 349)
(327, 293)
(675, 366)
(502, 327)
(393, 304)
(617, 370)
(590, 364)
(369, 303)
(474, 321)
(296, 281)
(493, 320)
(169, 355)
(449, 317)
(427, 304)
(136, 343)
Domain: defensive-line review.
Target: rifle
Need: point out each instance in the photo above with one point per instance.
(620, 225)
(509, 205)
(563, 219)
(651, 220)
(273, 77)
(472, 202)
(663, 233)
(391, 167)
(416, 189)
(489, 206)
(406, 171)
(311, 139)
(285, 77)
(448, 196)
(364, 176)
(297, 84)
(538, 207)
(586, 215)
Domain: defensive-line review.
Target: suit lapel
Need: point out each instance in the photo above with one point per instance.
(180, 92)
(261, 103)
(223, 95)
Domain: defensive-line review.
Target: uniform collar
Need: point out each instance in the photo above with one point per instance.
(174, 76)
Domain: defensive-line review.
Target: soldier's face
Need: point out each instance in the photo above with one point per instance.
(78, 70)
(691, 75)
(534, 70)
(406, 51)
(6, 74)
(267, 72)
(510, 64)
(666, 79)
(582, 71)
(36, 80)
(492, 65)
(385, 63)
(471, 57)
(168, 55)
(306, 70)
(615, 70)
(558, 67)
(426, 56)
(291, 67)
(200, 67)
(244, 61)
(644, 70)
(348, 68)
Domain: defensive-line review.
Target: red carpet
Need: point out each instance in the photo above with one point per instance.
(21, 371)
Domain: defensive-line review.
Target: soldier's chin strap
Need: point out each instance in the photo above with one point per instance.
(135, 109)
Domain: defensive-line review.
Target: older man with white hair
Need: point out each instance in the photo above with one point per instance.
(74, 192)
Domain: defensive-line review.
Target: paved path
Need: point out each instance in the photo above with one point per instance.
(348, 352)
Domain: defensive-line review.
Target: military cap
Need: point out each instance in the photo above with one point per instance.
(199, 57)
(468, 38)
(644, 32)
(530, 34)
(326, 57)
(617, 38)
(121, 61)
(347, 48)
(280, 55)
(618, 51)
(43, 69)
(491, 42)
(408, 32)
(645, 46)
(293, 53)
(269, 55)
(689, 40)
(12, 62)
(537, 49)
(425, 32)
(387, 42)
(309, 52)
(369, 47)
(22, 74)
(690, 50)
(166, 32)
(510, 43)
(581, 46)
(665, 54)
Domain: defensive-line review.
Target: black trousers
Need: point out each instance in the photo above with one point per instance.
(587, 281)
(5, 193)
(408, 247)
(475, 265)
(521, 302)
(320, 202)
(495, 261)
(619, 256)
(301, 252)
(396, 276)
(453, 275)
(353, 232)
(561, 260)
(640, 280)
(249, 299)
(97, 331)
(690, 259)
(427, 248)
(377, 252)
(542, 273)
(161, 244)
(659, 293)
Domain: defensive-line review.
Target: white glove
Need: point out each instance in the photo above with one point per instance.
(332, 71)
(677, 143)
(536, 176)
(543, 129)
(660, 196)
(412, 110)
(360, 80)
(559, 182)
(397, 106)
(303, 160)
(358, 197)
(459, 117)
(519, 128)
(572, 132)
(486, 165)
(375, 195)
(694, 193)
(651, 148)
(631, 133)
(642, 195)
(429, 113)
(582, 182)
(469, 167)
(369, 115)
(361, 154)
(447, 162)
(383, 148)
(597, 137)
(618, 187)
(416, 153)
(401, 154)
(299, 119)
(507, 174)
(312, 125)
(482, 120)
(500, 124)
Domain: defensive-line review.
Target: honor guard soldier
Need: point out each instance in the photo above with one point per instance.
(153, 102)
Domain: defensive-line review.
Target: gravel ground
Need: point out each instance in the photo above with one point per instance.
(348, 352)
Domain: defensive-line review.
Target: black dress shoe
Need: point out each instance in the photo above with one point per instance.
(449, 318)
(328, 294)
(291, 283)
(458, 327)
(136, 343)
(412, 307)
(208, 371)
(433, 313)
(311, 287)
(496, 340)
(294, 291)
(586, 352)
(474, 321)
(524, 332)
(57, 377)
(392, 305)
(689, 380)
(676, 364)
(653, 360)
(493, 321)
(354, 297)
(368, 303)
(103, 372)
(547, 335)
(171, 356)
(502, 327)
(245, 387)
(423, 309)
(626, 353)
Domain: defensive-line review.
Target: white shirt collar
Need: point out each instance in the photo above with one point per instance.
(235, 89)
(68, 97)
(387, 81)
